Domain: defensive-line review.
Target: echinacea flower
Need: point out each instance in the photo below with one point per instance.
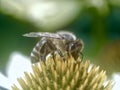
(57, 74)
(17, 61)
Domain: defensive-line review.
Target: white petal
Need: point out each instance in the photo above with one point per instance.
(4, 81)
(17, 65)
(116, 80)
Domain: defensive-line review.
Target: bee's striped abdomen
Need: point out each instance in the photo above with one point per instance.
(35, 54)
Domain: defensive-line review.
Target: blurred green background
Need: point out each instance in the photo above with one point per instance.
(99, 28)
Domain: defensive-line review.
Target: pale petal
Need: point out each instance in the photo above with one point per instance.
(116, 81)
(4, 81)
(17, 65)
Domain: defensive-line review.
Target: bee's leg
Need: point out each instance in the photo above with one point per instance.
(61, 54)
(47, 48)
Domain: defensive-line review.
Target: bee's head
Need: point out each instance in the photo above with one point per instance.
(75, 47)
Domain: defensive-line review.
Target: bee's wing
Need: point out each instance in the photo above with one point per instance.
(42, 34)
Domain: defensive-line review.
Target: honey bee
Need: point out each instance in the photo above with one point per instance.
(61, 42)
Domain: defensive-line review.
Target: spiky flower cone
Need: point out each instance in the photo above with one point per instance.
(57, 74)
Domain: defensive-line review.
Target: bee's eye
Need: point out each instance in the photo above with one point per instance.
(72, 46)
